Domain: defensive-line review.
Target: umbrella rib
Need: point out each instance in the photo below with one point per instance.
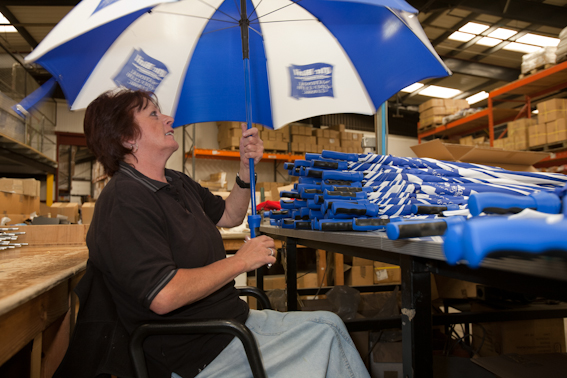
(276, 10)
(206, 18)
(271, 22)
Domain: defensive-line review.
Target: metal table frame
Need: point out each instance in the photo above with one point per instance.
(536, 275)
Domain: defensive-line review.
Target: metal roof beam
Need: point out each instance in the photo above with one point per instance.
(521, 10)
(483, 70)
(14, 21)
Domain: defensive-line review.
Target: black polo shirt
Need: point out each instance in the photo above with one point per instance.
(142, 232)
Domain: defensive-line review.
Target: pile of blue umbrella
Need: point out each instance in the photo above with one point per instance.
(478, 209)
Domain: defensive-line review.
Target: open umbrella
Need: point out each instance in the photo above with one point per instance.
(269, 62)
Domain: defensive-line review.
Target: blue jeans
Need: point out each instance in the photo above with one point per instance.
(292, 344)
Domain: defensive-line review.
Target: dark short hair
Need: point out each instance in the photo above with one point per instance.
(109, 121)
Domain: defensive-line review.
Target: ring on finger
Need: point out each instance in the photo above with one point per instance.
(271, 251)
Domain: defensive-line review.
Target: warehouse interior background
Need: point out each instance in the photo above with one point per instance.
(482, 42)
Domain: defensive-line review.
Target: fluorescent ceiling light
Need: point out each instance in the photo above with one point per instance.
(477, 97)
(502, 33)
(412, 88)
(538, 40)
(487, 41)
(3, 19)
(462, 37)
(520, 47)
(473, 27)
(441, 92)
(535, 111)
(7, 29)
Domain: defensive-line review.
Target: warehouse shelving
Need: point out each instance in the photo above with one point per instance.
(533, 88)
(235, 155)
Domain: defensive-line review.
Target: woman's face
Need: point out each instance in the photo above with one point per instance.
(157, 137)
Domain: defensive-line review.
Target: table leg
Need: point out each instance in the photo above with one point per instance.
(416, 318)
(291, 274)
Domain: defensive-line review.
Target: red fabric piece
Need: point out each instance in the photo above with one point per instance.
(268, 205)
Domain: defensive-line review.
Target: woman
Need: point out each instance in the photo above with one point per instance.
(154, 238)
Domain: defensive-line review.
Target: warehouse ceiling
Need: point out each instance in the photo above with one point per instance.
(475, 67)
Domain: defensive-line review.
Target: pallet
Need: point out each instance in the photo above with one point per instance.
(423, 129)
(275, 151)
(536, 70)
(550, 147)
(231, 148)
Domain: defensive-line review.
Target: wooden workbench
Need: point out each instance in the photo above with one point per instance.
(36, 305)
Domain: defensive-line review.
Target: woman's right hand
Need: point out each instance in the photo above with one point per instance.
(257, 252)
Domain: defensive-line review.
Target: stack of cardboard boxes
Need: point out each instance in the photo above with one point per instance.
(363, 272)
(19, 198)
(550, 127)
(431, 112)
(229, 134)
(297, 138)
(302, 138)
(470, 141)
(275, 140)
(552, 116)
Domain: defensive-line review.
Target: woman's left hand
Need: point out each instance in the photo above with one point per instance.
(251, 146)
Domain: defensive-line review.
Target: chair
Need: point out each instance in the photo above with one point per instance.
(203, 326)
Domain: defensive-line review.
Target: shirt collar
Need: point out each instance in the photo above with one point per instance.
(149, 183)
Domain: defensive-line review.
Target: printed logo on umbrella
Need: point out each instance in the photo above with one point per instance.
(104, 4)
(311, 80)
(141, 71)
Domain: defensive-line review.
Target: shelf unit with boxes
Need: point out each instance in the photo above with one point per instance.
(533, 88)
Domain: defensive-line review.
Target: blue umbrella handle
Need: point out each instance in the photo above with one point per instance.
(501, 203)
(483, 236)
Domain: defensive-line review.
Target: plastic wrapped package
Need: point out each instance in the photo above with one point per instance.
(539, 58)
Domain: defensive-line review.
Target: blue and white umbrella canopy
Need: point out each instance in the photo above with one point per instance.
(307, 58)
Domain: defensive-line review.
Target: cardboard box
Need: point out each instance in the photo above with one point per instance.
(520, 337)
(556, 130)
(11, 203)
(498, 143)
(273, 145)
(537, 135)
(521, 141)
(229, 125)
(433, 120)
(87, 211)
(511, 160)
(31, 187)
(339, 127)
(68, 209)
(552, 109)
(387, 274)
(9, 185)
(431, 103)
(359, 275)
(455, 105)
(229, 133)
(344, 135)
(467, 141)
(229, 143)
(334, 134)
(453, 288)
